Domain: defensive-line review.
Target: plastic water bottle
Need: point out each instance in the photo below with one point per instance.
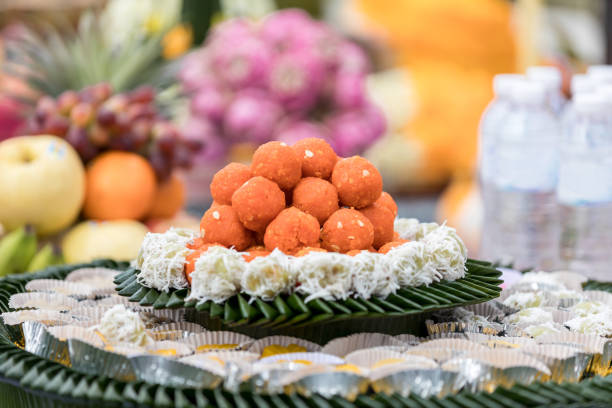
(581, 83)
(490, 125)
(601, 74)
(550, 77)
(526, 228)
(585, 189)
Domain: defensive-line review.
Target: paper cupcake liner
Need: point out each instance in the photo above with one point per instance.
(373, 357)
(170, 349)
(100, 279)
(453, 344)
(74, 289)
(63, 333)
(408, 339)
(441, 330)
(46, 317)
(95, 361)
(42, 300)
(422, 382)
(154, 317)
(175, 331)
(171, 373)
(599, 296)
(590, 343)
(344, 345)
(259, 346)
(565, 363)
(308, 358)
(217, 341)
(493, 310)
(566, 303)
(434, 353)
(329, 384)
(113, 300)
(562, 316)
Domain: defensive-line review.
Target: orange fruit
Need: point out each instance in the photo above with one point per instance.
(169, 198)
(119, 185)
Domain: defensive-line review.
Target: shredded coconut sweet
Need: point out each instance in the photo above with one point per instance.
(267, 276)
(448, 252)
(161, 259)
(122, 326)
(523, 300)
(323, 275)
(370, 275)
(544, 328)
(412, 229)
(412, 264)
(216, 275)
(529, 317)
(586, 308)
(595, 323)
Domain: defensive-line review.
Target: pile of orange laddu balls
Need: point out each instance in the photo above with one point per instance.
(299, 199)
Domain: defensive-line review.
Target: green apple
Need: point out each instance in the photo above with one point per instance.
(42, 183)
(89, 240)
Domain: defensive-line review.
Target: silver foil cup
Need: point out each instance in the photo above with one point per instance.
(446, 329)
(172, 373)
(92, 360)
(422, 382)
(344, 384)
(40, 342)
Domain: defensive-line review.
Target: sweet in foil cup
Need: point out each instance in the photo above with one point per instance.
(113, 300)
(408, 339)
(46, 317)
(217, 340)
(89, 359)
(472, 375)
(565, 363)
(74, 289)
(501, 341)
(100, 279)
(344, 345)
(187, 327)
(314, 358)
(438, 354)
(268, 378)
(170, 349)
(448, 329)
(327, 384)
(452, 344)
(40, 342)
(380, 358)
(159, 317)
(42, 300)
(422, 382)
(171, 373)
(281, 345)
(490, 310)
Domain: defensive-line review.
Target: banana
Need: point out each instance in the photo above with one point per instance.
(26, 251)
(47, 256)
(9, 247)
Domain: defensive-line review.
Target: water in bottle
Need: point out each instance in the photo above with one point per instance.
(551, 78)
(584, 189)
(600, 74)
(581, 83)
(490, 125)
(523, 201)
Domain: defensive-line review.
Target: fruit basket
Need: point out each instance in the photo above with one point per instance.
(29, 380)
(321, 320)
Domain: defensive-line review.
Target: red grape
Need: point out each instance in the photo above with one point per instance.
(44, 107)
(77, 137)
(99, 136)
(66, 101)
(101, 92)
(56, 125)
(106, 117)
(143, 94)
(160, 164)
(81, 114)
(117, 103)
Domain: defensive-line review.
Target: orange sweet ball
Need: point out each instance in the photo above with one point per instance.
(278, 162)
(390, 245)
(191, 259)
(358, 182)
(252, 253)
(345, 230)
(317, 156)
(169, 198)
(227, 180)
(306, 250)
(221, 225)
(316, 197)
(354, 252)
(292, 229)
(119, 185)
(257, 202)
(382, 220)
(388, 202)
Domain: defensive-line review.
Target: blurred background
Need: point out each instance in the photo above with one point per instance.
(189, 85)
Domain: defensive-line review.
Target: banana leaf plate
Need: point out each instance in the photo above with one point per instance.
(27, 380)
(322, 320)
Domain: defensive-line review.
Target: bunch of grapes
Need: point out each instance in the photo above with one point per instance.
(95, 119)
(285, 78)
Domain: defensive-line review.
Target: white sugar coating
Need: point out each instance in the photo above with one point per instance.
(216, 215)
(268, 276)
(412, 264)
(543, 278)
(544, 328)
(412, 229)
(523, 300)
(529, 317)
(448, 251)
(323, 275)
(360, 223)
(370, 275)
(161, 259)
(216, 274)
(365, 173)
(120, 326)
(567, 294)
(594, 323)
(308, 154)
(339, 224)
(587, 308)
